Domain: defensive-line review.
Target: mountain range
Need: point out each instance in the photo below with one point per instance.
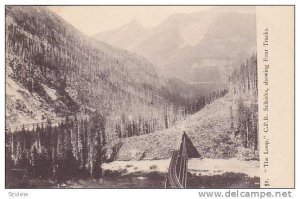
(197, 47)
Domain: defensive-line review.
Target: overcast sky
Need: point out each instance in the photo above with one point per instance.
(93, 19)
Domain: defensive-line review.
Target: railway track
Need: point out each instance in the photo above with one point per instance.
(177, 174)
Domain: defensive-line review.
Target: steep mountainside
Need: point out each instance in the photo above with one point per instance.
(196, 47)
(53, 70)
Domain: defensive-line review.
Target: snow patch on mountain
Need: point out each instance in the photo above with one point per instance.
(50, 92)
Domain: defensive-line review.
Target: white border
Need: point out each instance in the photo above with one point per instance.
(119, 193)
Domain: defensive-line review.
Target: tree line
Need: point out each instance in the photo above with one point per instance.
(243, 86)
(73, 148)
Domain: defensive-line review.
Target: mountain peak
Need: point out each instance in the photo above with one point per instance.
(134, 24)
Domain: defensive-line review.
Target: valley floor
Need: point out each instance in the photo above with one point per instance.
(205, 173)
(207, 166)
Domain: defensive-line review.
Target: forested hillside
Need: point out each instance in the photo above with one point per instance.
(45, 52)
(226, 128)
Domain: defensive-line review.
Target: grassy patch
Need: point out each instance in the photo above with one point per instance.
(154, 179)
(226, 180)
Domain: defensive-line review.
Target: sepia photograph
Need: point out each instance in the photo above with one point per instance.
(147, 97)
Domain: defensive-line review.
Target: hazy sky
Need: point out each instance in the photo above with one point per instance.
(93, 19)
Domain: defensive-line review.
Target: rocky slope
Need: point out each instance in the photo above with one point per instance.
(210, 131)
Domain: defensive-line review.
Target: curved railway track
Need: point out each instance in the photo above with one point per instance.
(177, 174)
